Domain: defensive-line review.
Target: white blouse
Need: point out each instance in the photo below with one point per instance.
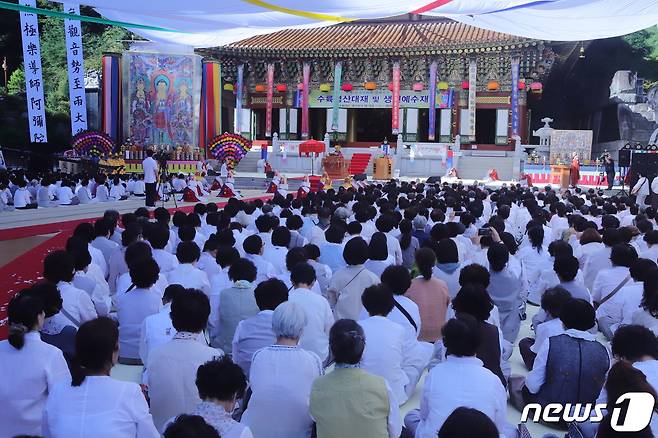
(281, 379)
(28, 376)
(101, 407)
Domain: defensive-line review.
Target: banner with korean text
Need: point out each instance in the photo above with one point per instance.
(306, 82)
(395, 99)
(338, 73)
(238, 99)
(472, 96)
(380, 99)
(515, 96)
(76, 68)
(36, 104)
(268, 102)
(431, 130)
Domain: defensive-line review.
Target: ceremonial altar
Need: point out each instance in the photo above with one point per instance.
(560, 175)
(336, 166)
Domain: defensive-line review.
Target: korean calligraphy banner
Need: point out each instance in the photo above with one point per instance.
(431, 130)
(395, 99)
(238, 98)
(36, 104)
(268, 102)
(76, 67)
(306, 79)
(472, 88)
(515, 96)
(338, 72)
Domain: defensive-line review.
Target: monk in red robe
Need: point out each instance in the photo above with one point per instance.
(574, 171)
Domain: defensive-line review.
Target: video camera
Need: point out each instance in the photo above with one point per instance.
(162, 157)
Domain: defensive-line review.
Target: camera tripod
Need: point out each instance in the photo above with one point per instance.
(163, 178)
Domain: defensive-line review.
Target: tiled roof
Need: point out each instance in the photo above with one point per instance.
(405, 36)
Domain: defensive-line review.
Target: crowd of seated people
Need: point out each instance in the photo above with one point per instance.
(27, 190)
(319, 316)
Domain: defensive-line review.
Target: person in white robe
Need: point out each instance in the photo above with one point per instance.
(30, 368)
(281, 378)
(93, 403)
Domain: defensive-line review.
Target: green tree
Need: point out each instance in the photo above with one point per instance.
(16, 82)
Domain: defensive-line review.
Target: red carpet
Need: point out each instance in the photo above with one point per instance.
(359, 163)
(26, 269)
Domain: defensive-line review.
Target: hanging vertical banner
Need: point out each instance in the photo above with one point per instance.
(395, 99)
(238, 99)
(36, 104)
(268, 102)
(111, 87)
(515, 96)
(431, 130)
(472, 88)
(306, 79)
(76, 67)
(338, 73)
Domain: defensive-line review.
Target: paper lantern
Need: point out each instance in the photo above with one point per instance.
(370, 86)
(325, 88)
(536, 87)
(521, 85)
(418, 86)
(260, 88)
(281, 88)
(228, 87)
(443, 85)
(493, 86)
(346, 87)
(300, 86)
(390, 86)
(465, 85)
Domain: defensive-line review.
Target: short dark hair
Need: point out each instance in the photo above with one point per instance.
(131, 234)
(347, 341)
(137, 251)
(49, 294)
(474, 274)
(270, 293)
(95, 344)
(281, 237)
(632, 342)
(498, 256)
(158, 236)
(640, 268)
(623, 254)
(334, 234)
(58, 266)
(302, 273)
(461, 335)
(294, 222)
(242, 269)
(378, 300)
(252, 244)
(467, 422)
(172, 291)
(473, 299)
(355, 251)
(447, 251)
(81, 258)
(190, 311)
(144, 273)
(294, 256)
(85, 231)
(187, 252)
(185, 426)
(566, 267)
(103, 227)
(186, 233)
(577, 314)
(377, 248)
(354, 227)
(553, 300)
(397, 278)
(220, 379)
(263, 223)
(312, 251)
(226, 256)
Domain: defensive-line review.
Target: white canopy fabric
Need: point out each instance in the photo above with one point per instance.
(211, 23)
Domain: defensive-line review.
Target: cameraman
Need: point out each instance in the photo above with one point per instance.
(150, 167)
(609, 165)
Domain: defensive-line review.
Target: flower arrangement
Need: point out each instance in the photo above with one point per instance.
(93, 143)
(229, 148)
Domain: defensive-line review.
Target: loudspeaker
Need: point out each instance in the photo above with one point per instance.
(624, 158)
(433, 180)
(269, 175)
(360, 177)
